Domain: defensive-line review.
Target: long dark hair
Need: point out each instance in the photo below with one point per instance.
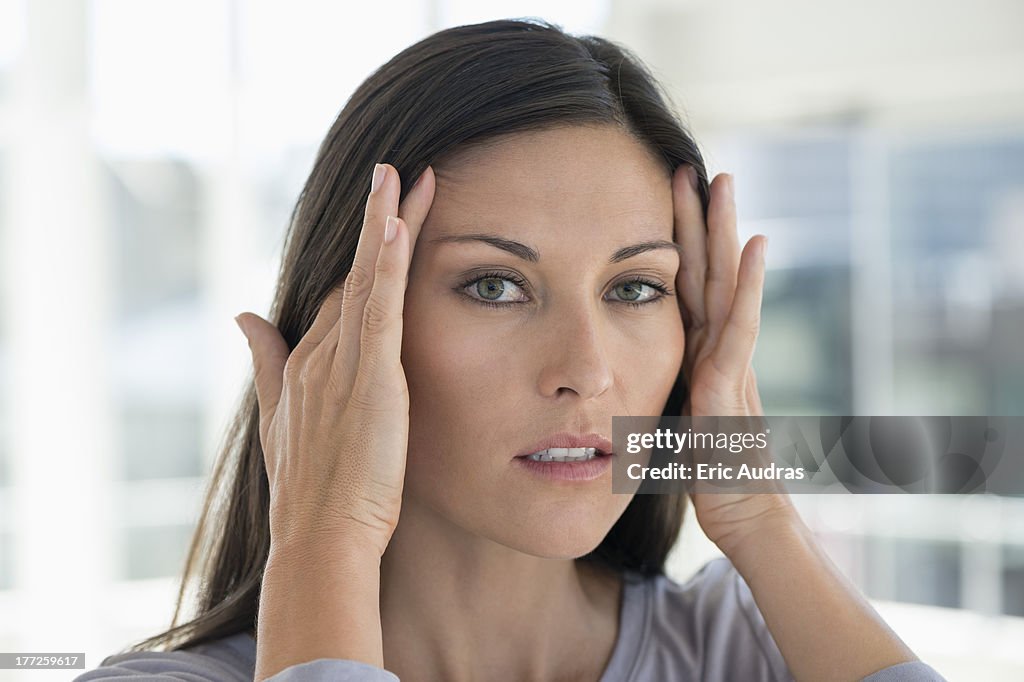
(461, 86)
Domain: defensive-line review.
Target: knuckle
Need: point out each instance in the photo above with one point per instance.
(748, 329)
(376, 316)
(386, 267)
(358, 282)
(294, 368)
(376, 389)
(306, 375)
(334, 384)
(364, 401)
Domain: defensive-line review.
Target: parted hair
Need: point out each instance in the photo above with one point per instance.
(458, 87)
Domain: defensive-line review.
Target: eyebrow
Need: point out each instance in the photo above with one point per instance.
(533, 255)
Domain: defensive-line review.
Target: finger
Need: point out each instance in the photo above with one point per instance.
(380, 338)
(723, 252)
(382, 201)
(416, 205)
(269, 355)
(360, 282)
(735, 348)
(690, 234)
(753, 395)
(326, 319)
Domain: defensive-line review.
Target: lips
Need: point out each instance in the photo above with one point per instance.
(567, 439)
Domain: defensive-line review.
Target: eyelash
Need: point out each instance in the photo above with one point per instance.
(518, 281)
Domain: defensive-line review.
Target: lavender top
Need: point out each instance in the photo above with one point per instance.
(708, 628)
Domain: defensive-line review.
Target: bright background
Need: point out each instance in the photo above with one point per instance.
(151, 151)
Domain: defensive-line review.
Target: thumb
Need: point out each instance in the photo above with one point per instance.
(269, 355)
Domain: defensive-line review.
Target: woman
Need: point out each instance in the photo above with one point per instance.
(383, 514)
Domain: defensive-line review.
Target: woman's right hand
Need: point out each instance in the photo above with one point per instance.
(334, 412)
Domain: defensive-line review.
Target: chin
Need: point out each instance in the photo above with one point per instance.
(557, 548)
(565, 540)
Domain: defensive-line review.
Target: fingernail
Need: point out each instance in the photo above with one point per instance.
(732, 186)
(391, 229)
(241, 325)
(692, 173)
(419, 180)
(764, 248)
(379, 171)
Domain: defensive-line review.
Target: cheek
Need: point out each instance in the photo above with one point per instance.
(674, 347)
(455, 374)
(448, 365)
(671, 360)
(653, 356)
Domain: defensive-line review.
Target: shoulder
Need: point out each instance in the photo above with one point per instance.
(708, 626)
(229, 658)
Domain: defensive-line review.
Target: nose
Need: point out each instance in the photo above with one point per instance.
(574, 356)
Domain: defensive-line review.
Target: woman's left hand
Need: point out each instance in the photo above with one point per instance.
(720, 301)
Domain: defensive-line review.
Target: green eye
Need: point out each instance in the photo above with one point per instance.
(632, 290)
(488, 286)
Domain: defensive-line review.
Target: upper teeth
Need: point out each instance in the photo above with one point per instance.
(564, 454)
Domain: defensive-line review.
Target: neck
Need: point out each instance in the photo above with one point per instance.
(456, 606)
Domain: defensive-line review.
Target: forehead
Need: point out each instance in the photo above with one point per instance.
(596, 183)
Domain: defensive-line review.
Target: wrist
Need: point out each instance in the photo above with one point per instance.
(318, 600)
(343, 552)
(774, 541)
(808, 605)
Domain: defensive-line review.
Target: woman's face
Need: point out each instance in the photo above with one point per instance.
(568, 351)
